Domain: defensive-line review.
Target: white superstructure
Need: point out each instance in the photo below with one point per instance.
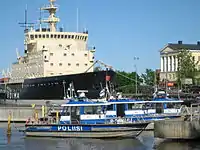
(49, 52)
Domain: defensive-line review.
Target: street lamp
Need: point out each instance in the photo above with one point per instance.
(166, 72)
(135, 59)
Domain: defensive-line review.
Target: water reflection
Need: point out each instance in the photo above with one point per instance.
(82, 144)
(178, 145)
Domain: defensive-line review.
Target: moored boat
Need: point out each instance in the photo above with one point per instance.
(84, 119)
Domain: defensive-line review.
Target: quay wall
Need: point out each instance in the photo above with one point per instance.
(18, 114)
(170, 129)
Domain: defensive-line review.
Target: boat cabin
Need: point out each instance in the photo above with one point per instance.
(83, 112)
(131, 108)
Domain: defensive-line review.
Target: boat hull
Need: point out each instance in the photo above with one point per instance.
(86, 131)
(52, 88)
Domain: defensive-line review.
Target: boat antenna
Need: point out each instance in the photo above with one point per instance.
(26, 24)
(77, 19)
(40, 19)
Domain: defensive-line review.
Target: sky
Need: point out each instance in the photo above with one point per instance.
(119, 29)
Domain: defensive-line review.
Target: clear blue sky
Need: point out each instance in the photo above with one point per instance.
(119, 29)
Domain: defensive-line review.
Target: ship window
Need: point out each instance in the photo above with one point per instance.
(35, 36)
(55, 36)
(51, 54)
(85, 55)
(85, 38)
(51, 35)
(65, 36)
(51, 64)
(60, 45)
(45, 57)
(77, 64)
(72, 36)
(58, 36)
(76, 37)
(69, 64)
(62, 36)
(72, 54)
(32, 37)
(85, 64)
(65, 54)
(40, 35)
(69, 36)
(110, 107)
(43, 36)
(47, 36)
(51, 73)
(60, 64)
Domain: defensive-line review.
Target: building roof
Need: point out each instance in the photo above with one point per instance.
(180, 45)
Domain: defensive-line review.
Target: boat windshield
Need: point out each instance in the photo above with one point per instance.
(93, 109)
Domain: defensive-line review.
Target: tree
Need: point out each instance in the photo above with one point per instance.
(97, 68)
(126, 81)
(186, 65)
(148, 77)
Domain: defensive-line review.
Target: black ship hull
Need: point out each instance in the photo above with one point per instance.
(55, 88)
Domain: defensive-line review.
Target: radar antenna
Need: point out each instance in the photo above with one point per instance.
(25, 24)
(52, 20)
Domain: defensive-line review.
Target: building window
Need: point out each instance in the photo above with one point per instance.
(174, 76)
(32, 37)
(51, 64)
(60, 64)
(51, 54)
(65, 54)
(77, 64)
(198, 58)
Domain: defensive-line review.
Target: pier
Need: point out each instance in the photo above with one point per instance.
(189, 128)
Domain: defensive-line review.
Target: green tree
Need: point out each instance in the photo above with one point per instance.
(148, 77)
(186, 65)
(126, 81)
(97, 68)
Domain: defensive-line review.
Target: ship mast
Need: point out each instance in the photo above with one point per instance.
(52, 19)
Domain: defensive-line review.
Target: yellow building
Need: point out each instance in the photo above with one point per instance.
(169, 61)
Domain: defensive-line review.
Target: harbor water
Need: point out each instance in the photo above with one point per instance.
(17, 141)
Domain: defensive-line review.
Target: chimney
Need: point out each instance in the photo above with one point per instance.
(198, 42)
(180, 42)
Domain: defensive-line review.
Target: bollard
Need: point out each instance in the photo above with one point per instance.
(57, 116)
(9, 124)
(43, 112)
(36, 115)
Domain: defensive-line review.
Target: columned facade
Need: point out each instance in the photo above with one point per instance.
(169, 63)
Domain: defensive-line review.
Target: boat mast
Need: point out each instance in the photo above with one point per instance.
(52, 19)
